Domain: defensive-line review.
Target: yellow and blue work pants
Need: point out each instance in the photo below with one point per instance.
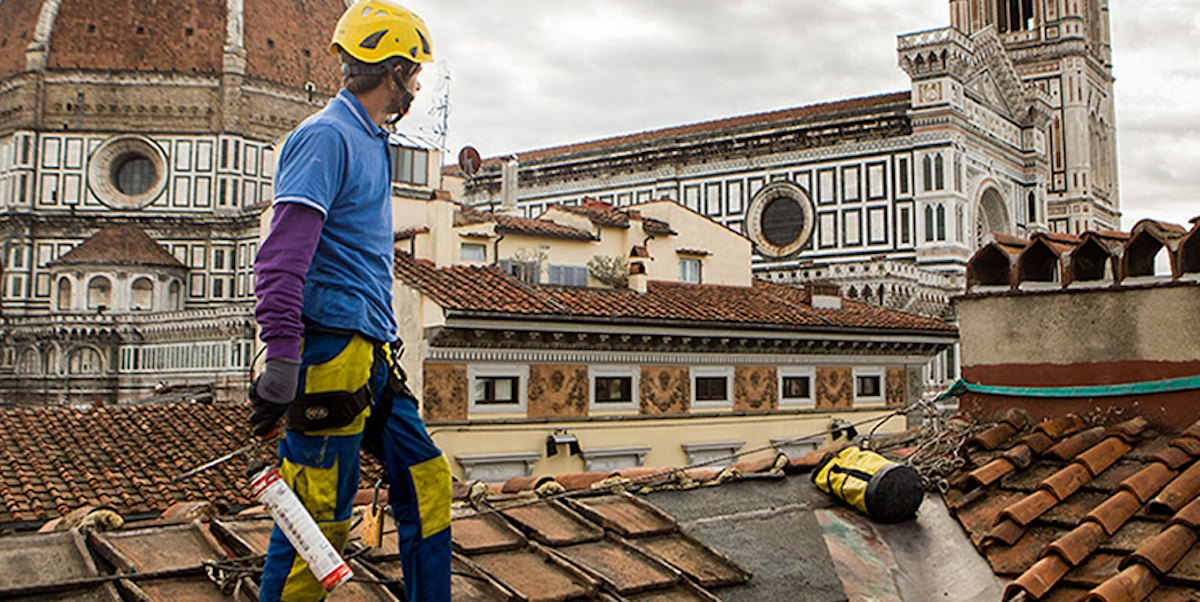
(352, 396)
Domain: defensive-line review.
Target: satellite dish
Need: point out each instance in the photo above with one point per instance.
(469, 160)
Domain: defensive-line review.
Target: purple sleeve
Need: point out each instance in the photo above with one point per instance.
(281, 268)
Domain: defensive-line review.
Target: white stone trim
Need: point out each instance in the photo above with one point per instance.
(521, 372)
(497, 468)
(650, 358)
(879, 372)
(726, 372)
(594, 460)
(35, 53)
(784, 371)
(704, 452)
(633, 372)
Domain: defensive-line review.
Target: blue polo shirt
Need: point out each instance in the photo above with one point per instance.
(338, 162)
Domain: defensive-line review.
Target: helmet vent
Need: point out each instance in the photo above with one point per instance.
(424, 44)
(372, 40)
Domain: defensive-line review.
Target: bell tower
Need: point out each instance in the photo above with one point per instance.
(1065, 48)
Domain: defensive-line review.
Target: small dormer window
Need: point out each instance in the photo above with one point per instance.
(473, 251)
(689, 270)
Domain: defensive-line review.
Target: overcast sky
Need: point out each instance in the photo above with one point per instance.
(529, 74)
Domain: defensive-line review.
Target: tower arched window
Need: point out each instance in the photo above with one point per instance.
(941, 222)
(928, 223)
(1032, 208)
(939, 173)
(928, 172)
(1014, 15)
(143, 295)
(64, 295)
(99, 293)
(84, 360)
(174, 296)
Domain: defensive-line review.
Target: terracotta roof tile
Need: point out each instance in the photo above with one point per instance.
(1076, 546)
(484, 533)
(897, 101)
(554, 524)
(1088, 514)
(620, 566)
(1099, 457)
(993, 437)
(1039, 578)
(1181, 490)
(1130, 585)
(625, 514)
(698, 561)
(1113, 512)
(1188, 445)
(1147, 482)
(122, 244)
(1067, 481)
(766, 305)
(536, 575)
(1164, 550)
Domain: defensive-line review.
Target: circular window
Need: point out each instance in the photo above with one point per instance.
(780, 219)
(134, 175)
(783, 219)
(127, 172)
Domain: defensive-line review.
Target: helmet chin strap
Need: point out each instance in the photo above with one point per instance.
(405, 100)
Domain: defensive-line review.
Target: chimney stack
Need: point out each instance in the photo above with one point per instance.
(508, 186)
(826, 296)
(637, 277)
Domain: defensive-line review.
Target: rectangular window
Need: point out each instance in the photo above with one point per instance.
(218, 262)
(567, 275)
(905, 234)
(410, 166)
(689, 271)
(614, 389)
(797, 387)
(496, 390)
(902, 175)
(867, 386)
(711, 388)
(474, 252)
(218, 288)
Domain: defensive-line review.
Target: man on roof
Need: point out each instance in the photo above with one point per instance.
(325, 310)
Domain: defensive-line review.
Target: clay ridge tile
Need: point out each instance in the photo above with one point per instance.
(1112, 513)
(1189, 515)
(1068, 448)
(1028, 508)
(1099, 457)
(1178, 492)
(1066, 481)
(1038, 580)
(1131, 430)
(1172, 457)
(1007, 532)
(989, 473)
(1162, 552)
(1061, 426)
(1188, 445)
(992, 437)
(1079, 543)
(1130, 585)
(1148, 481)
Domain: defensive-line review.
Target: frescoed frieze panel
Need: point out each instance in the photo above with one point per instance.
(835, 388)
(664, 390)
(895, 386)
(445, 395)
(558, 391)
(755, 389)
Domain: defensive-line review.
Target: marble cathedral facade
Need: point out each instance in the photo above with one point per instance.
(1008, 127)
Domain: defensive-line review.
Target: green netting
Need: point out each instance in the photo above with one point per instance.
(1170, 385)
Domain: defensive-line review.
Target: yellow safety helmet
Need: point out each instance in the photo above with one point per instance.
(373, 31)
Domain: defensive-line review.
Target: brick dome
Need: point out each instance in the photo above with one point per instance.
(282, 43)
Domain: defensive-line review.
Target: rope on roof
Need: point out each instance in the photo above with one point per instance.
(1169, 385)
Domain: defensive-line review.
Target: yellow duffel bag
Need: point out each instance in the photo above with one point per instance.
(886, 491)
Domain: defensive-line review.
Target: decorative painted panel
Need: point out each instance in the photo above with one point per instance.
(835, 388)
(755, 389)
(664, 390)
(445, 395)
(895, 386)
(558, 391)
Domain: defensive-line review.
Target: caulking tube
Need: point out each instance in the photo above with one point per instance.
(301, 530)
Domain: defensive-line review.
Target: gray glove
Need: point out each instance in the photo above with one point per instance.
(278, 382)
(271, 393)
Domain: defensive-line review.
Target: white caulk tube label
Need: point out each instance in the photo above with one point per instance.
(301, 530)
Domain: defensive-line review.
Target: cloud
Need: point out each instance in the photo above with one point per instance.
(529, 74)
